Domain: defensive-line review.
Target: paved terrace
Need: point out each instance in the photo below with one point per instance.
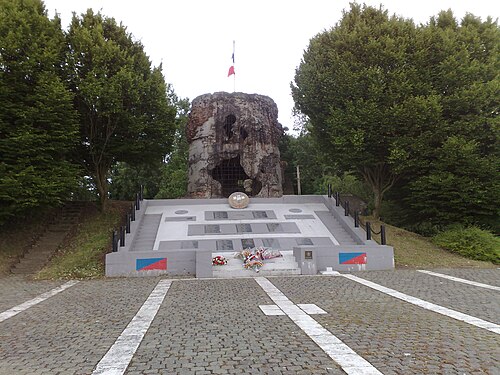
(372, 322)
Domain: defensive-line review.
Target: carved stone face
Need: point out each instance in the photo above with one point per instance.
(234, 146)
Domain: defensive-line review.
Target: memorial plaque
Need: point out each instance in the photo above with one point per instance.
(212, 229)
(243, 228)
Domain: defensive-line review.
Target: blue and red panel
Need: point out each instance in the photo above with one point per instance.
(352, 258)
(146, 264)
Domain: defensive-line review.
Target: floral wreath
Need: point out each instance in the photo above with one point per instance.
(219, 260)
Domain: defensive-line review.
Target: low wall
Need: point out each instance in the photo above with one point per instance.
(312, 259)
(185, 262)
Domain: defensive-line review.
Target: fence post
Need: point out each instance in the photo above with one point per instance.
(122, 236)
(127, 228)
(382, 235)
(346, 208)
(137, 202)
(132, 213)
(368, 231)
(337, 198)
(141, 193)
(356, 219)
(329, 190)
(114, 240)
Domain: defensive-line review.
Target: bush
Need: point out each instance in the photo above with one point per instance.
(471, 242)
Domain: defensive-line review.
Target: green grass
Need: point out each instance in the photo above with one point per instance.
(414, 251)
(83, 256)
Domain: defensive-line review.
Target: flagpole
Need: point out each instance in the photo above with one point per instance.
(234, 75)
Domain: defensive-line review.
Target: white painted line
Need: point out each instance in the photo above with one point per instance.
(32, 302)
(348, 359)
(271, 310)
(465, 281)
(118, 357)
(311, 308)
(495, 328)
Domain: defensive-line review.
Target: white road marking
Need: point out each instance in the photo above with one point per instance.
(465, 281)
(311, 308)
(348, 359)
(492, 327)
(271, 310)
(32, 302)
(118, 357)
(308, 308)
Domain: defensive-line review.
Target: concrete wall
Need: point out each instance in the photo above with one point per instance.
(344, 258)
(188, 262)
(366, 255)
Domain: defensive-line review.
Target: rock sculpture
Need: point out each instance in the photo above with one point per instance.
(233, 146)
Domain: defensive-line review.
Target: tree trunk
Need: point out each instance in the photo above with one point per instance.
(101, 180)
(377, 197)
(380, 179)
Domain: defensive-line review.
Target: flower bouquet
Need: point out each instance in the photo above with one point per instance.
(255, 264)
(219, 260)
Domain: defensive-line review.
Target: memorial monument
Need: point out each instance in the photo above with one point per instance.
(233, 146)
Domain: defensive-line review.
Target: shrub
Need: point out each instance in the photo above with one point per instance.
(471, 242)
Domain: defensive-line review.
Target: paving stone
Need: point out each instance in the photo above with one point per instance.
(216, 326)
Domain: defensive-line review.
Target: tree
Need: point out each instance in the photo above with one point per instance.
(460, 178)
(125, 113)
(174, 174)
(383, 97)
(456, 180)
(38, 126)
(349, 83)
(164, 179)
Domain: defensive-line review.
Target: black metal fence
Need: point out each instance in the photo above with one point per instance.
(118, 235)
(367, 226)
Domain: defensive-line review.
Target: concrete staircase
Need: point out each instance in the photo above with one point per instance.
(45, 247)
(336, 228)
(146, 234)
(285, 265)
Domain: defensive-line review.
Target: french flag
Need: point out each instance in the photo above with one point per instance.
(231, 69)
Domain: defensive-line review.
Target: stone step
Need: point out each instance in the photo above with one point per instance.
(285, 265)
(219, 273)
(36, 257)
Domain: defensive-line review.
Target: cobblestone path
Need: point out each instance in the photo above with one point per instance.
(217, 327)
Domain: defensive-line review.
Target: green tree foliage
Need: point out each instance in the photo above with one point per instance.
(166, 179)
(174, 176)
(461, 179)
(38, 126)
(349, 83)
(390, 101)
(301, 151)
(455, 177)
(125, 113)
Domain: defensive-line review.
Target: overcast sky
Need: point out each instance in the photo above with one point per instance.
(194, 38)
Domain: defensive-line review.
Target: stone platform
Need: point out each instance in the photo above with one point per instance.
(180, 237)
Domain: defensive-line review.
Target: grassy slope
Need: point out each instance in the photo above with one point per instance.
(414, 251)
(83, 256)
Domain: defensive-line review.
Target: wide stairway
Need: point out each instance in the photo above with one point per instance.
(40, 253)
